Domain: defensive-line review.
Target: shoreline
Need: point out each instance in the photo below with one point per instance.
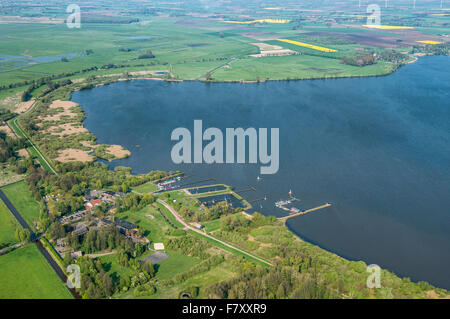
(297, 235)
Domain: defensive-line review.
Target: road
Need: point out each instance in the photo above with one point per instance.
(38, 152)
(198, 231)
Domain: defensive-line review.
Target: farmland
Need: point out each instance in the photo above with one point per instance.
(8, 226)
(20, 197)
(191, 47)
(26, 274)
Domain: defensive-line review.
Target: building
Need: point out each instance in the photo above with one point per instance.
(80, 229)
(198, 226)
(95, 202)
(158, 246)
(126, 228)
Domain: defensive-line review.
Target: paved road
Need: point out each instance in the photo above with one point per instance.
(198, 231)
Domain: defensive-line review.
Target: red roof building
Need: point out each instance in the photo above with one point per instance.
(93, 203)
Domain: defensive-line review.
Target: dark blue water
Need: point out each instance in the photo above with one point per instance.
(377, 148)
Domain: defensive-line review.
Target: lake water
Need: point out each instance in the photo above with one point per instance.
(377, 148)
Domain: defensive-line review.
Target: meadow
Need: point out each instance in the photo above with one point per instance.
(145, 188)
(8, 226)
(296, 67)
(25, 274)
(20, 197)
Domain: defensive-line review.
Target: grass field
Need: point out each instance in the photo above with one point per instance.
(25, 274)
(212, 225)
(175, 264)
(8, 225)
(214, 275)
(20, 197)
(112, 267)
(145, 188)
(295, 67)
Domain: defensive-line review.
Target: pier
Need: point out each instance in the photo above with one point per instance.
(246, 190)
(285, 218)
(197, 182)
(257, 200)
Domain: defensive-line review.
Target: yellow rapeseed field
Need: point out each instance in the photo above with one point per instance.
(306, 45)
(260, 21)
(429, 42)
(387, 27)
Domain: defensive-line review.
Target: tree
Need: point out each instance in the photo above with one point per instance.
(108, 285)
(67, 259)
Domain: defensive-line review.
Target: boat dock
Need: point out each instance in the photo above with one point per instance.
(285, 218)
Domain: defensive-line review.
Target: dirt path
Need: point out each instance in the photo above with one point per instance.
(101, 254)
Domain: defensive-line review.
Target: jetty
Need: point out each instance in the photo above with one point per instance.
(285, 218)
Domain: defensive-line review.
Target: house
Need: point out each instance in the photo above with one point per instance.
(80, 229)
(158, 246)
(126, 228)
(95, 202)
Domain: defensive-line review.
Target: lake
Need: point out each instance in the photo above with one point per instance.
(377, 148)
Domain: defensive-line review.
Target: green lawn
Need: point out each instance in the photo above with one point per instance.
(25, 274)
(111, 266)
(212, 225)
(20, 197)
(145, 188)
(8, 225)
(214, 275)
(175, 264)
(294, 67)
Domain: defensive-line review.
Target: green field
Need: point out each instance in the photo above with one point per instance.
(295, 67)
(212, 225)
(175, 264)
(112, 267)
(145, 188)
(20, 197)
(187, 52)
(25, 274)
(8, 225)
